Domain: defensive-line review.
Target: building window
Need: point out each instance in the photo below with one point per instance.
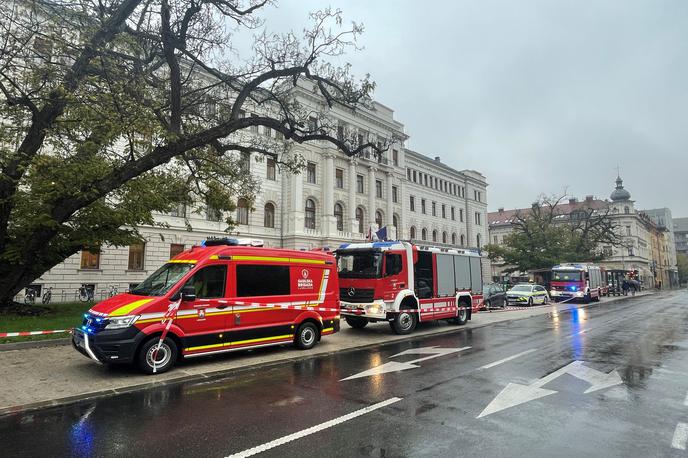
(444, 211)
(453, 214)
(378, 218)
(175, 249)
(426, 179)
(630, 251)
(412, 202)
(272, 169)
(453, 238)
(463, 240)
(628, 230)
(495, 239)
(434, 209)
(340, 131)
(312, 124)
(309, 220)
(414, 176)
(395, 194)
(434, 235)
(269, 215)
(310, 172)
(412, 233)
(359, 184)
(90, 258)
(627, 211)
(179, 211)
(395, 221)
(424, 234)
(444, 237)
(339, 216)
(242, 211)
(212, 213)
(395, 157)
(339, 178)
(477, 239)
(136, 254)
(478, 218)
(408, 174)
(254, 128)
(422, 206)
(378, 189)
(245, 162)
(359, 219)
(461, 214)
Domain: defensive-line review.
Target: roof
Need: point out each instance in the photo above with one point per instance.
(201, 253)
(506, 216)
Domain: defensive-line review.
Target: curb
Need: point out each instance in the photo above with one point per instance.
(218, 374)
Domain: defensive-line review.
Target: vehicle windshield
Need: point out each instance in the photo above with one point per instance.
(522, 288)
(162, 280)
(360, 264)
(566, 275)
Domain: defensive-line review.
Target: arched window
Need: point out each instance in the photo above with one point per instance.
(309, 221)
(627, 210)
(463, 240)
(269, 215)
(453, 238)
(444, 237)
(412, 233)
(339, 216)
(395, 221)
(378, 218)
(477, 239)
(424, 234)
(242, 211)
(359, 219)
(434, 235)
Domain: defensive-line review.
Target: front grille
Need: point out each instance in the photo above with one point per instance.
(359, 295)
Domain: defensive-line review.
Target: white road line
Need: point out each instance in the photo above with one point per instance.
(313, 429)
(680, 436)
(509, 358)
(685, 401)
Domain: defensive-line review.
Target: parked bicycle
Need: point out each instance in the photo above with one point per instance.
(47, 295)
(85, 293)
(29, 296)
(113, 291)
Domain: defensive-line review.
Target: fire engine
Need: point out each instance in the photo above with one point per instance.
(576, 281)
(404, 284)
(224, 296)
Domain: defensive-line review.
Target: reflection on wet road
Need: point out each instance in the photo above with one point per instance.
(606, 380)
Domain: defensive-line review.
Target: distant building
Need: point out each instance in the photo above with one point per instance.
(662, 218)
(680, 229)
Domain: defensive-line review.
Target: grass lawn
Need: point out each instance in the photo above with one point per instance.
(60, 316)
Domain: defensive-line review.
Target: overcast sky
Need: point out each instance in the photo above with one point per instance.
(539, 96)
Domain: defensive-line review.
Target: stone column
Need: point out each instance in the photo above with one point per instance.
(328, 223)
(371, 196)
(296, 218)
(351, 205)
(404, 225)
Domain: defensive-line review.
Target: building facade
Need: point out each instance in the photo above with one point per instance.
(680, 229)
(646, 243)
(336, 199)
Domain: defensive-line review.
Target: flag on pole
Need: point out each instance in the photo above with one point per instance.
(382, 234)
(167, 319)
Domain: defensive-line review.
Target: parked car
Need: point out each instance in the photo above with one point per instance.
(527, 294)
(494, 296)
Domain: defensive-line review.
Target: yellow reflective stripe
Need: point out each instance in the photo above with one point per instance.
(125, 309)
(154, 320)
(205, 347)
(277, 259)
(183, 261)
(328, 329)
(262, 339)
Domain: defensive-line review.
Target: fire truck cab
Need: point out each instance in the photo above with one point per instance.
(403, 284)
(232, 297)
(576, 281)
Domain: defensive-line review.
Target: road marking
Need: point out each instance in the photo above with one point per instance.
(516, 394)
(394, 366)
(507, 359)
(680, 436)
(685, 401)
(313, 429)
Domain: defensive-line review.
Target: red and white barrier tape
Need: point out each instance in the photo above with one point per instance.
(33, 333)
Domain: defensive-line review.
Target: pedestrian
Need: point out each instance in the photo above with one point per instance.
(625, 287)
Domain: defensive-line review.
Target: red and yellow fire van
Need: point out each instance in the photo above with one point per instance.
(231, 297)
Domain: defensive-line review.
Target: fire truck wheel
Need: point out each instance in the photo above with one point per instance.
(404, 323)
(162, 359)
(462, 317)
(356, 322)
(307, 336)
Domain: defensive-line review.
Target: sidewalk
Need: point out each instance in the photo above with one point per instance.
(54, 375)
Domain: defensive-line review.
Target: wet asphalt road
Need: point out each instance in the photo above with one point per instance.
(645, 340)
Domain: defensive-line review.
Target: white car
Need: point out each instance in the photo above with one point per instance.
(527, 294)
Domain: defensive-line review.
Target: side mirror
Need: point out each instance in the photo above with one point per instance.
(188, 293)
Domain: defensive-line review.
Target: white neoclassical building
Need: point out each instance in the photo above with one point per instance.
(336, 199)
